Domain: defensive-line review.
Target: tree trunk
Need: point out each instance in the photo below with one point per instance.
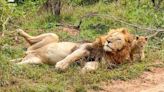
(158, 4)
(53, 6)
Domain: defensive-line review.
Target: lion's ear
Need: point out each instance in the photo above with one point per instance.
(146, 38)
(98, 40)
(137, 37)
(124, 30)
(101, 40)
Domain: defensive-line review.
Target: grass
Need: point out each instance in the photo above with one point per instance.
(44, 78)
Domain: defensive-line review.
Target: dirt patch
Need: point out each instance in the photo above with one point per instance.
(152, 81)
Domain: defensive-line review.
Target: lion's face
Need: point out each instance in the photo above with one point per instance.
(114, 42)
(141, 41)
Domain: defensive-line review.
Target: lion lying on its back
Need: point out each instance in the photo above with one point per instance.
(113, 47)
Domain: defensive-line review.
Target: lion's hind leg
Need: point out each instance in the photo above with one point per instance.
(49, 37)
(38, 45)
(25, 35)
(30, 59)
(35, 39)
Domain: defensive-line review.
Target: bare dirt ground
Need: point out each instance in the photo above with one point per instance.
(150, 81)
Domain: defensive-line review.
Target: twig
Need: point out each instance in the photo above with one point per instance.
(77, 27)
(124, 22)
(121, 21)
(150, 36)
(4, 25)
(80, 21)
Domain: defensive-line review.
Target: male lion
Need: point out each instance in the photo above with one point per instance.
(113, 47)
(117, 45)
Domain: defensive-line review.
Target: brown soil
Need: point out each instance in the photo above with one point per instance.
(152, 81)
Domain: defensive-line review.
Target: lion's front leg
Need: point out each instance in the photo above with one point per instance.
(77, 54)
(142, 55)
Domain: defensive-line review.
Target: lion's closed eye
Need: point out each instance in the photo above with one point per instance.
(118, 39)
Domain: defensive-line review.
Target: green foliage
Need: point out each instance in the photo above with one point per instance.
(5, 14)
(82, 2)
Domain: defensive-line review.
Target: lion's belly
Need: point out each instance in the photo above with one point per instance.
(58, 51)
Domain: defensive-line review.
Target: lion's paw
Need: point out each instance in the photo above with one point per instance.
(61, 65)
(89, 67)
(20, 31)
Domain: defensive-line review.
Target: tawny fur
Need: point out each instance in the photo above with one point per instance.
(38, 41)
(137, 50)
(114, 47)
(52, 51)
(120, 53)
